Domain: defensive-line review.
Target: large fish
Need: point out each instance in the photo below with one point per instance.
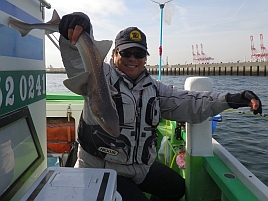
(92, 84)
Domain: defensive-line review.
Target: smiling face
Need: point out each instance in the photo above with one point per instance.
(131, 66)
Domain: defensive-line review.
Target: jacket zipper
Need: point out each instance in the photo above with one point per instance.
(137, 129)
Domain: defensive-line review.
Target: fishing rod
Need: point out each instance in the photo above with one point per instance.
(245, 112)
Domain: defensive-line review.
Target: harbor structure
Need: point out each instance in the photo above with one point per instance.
(214, 69)
(256, 55)
(200, 57)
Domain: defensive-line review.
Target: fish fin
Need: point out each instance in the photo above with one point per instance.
(78, 83)
(16, 24)
(103, 47)
(54, 20)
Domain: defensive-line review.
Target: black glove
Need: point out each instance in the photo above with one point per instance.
(71, 20)
(242, 100)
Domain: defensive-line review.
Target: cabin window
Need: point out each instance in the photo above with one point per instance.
(20, 151)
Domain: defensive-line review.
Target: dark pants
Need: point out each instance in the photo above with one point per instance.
(161, 181)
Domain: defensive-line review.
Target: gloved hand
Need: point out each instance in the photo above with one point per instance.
(242, 100)
(71, 20)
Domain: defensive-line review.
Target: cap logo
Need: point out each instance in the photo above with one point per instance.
(135, 35)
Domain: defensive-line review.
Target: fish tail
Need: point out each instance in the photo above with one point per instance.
(19, 26)
(55, 18)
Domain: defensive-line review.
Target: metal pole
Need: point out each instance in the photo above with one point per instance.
(160, 47)
(161, 5)
(45, 3)
(57, 46)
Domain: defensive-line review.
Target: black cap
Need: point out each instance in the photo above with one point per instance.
(131, 37)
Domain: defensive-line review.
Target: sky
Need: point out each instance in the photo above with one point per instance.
(223, 27)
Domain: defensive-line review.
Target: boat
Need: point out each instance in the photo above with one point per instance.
(38, 133)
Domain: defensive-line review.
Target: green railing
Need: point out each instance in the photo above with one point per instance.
(210, 175)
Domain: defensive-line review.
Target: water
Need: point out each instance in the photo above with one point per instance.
(243, 135)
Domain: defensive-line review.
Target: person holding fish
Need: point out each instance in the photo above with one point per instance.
(139, 101)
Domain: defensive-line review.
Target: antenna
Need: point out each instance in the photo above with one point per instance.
(161, 5)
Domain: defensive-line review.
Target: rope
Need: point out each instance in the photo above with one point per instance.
(166, 145)
(173, 159)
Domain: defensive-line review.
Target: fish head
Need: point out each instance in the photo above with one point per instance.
(109, 123)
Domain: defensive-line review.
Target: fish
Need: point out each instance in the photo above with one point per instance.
(91, 84)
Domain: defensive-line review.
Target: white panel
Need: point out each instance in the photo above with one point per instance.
(198, 140)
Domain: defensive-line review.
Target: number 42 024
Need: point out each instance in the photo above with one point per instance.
(27, 87)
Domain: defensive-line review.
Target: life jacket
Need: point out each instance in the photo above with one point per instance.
(139, 113)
